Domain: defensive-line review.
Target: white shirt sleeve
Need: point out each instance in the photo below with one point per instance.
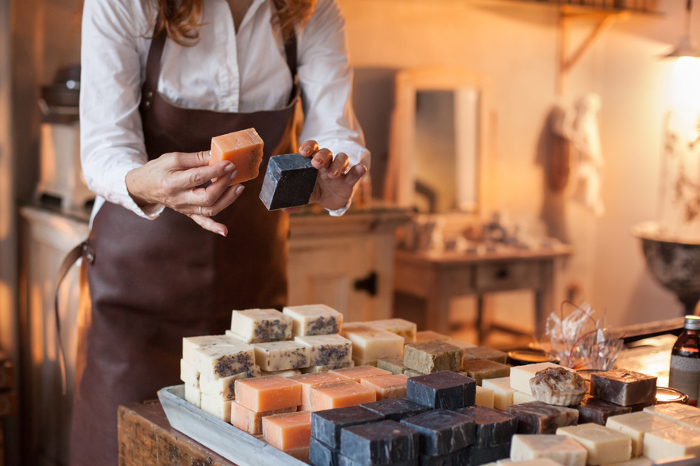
(110, 124)
(325, 79)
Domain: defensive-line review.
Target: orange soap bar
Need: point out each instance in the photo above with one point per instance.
(243, 148)
(288, 431)
(268, 393)
(340, 395)
(360, 372)
(387, 387)
(312, 380)
(250, 421)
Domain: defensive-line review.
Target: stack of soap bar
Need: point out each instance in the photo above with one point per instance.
(243, 148)
(598, 411)
(288, 432)
(428, 335)
(673, 442)
(216, 407)
(190, 375)
(520, 375)
(371, 345)
(484, 397)
(635, 425)
(673, 411)
(219, 361)
(540, 418)
(268, 393)
(340, 395)
(502, 392)
(315, 319)
(281, 355)
(382, 442)
(625, 388)
(480, 369)
(189, 344)
(401, 327)
(251, 421)
(479, 352)
(442, 390)
(393, 365)
(360, 372)
(223, 388)
(260, 325)
(289, 181)
(387, 387)
(397, 409)
(327, 350)
(442, 431)
(560, 448)
(311, 380)
(322, 369)
(326, 425)
(493, 427)
(321, 454)
(604, 445)
(433, 356)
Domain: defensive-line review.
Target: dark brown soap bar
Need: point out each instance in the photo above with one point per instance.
(492, 427)
(624, 388)
(640, 406)
(536, 417)
(598, 411)
(479, 352)
(480, 369)
(441, 431)
(289, 181)
(383, 442)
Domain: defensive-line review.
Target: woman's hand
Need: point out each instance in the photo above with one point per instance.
(172, 180)
(335, 182)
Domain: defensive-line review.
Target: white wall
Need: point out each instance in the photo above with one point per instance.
(516, 46)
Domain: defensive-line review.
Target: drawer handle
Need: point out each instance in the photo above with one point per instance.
(502, 274)
(368, 284)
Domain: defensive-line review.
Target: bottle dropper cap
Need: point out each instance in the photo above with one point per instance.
(692, 322)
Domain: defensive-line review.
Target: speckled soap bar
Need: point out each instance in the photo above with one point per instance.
(326, 425)
(260, 325)
(598, 411)
(289, 181)
(433, 356)
(479, 352)
(442, 431)
(224, 360)
(397, 409)
(382, 442)
(331, 367)
(189, 374)
(480, 369)
(223, 388)
(314, 319)
(281, 355)
(189, 344)
(540, 418)
(327, 350)
(623, 387)
(393, 365)
(492, 427)
(445, 390)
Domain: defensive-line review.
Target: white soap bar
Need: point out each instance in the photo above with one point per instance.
(537, 462)
(634, 462)
(216, 407)
(353, 327)
(604, 445)
(461, 344)
(520, 397)
(315, 319)
(189, 344)
(520, 375)
(635, 425)
(224, 360)
(484, 397)
(560, 448)
(502, 393)
(673, 411)
(193, 396)
(403, 328)
(327, 350)
(332, 367)
(281, 355)
(692, 423)
(189, 374)
(223, 388)
(260, 325)
(673, 442)
(370, 345)
(284, 373)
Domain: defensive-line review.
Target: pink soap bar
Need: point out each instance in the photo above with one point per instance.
(288, 431)
(340, 395)
(268, 393)
(243, 148)
(360, 372)
(312, 380)
(387, 387)
(250, 421)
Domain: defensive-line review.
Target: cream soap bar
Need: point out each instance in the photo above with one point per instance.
(224, 360)
(393, 365)
(327, 350)
(370, 345)
(484, 397)
(189, 344)
(559, 448)
(401, 327)
(260, 325)
(281, 355)
(315, 319)
(673, 442)
(635, 425)
(284, 373)
(223, 388)
(673, 411)
(349, 327)
(193, 395)
(604, 445)
(189, 374)
(216, 407)
(520, 375)
(520, 398)
(332, 367)
(502, 393)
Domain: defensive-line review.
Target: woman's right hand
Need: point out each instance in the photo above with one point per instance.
(172, 180)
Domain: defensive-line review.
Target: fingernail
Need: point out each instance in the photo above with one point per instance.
(335, 173)
(221, 232)
(233, 175)
(239, 190)
(229, 167)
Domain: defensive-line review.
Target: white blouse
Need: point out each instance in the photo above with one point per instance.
(226, 71)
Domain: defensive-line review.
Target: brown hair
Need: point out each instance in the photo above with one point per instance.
(181, 18)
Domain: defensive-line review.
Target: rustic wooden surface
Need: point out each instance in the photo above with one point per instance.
(146, 439)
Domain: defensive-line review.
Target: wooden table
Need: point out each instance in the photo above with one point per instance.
(438, 277)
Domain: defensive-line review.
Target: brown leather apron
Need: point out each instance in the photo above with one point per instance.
(153, 282)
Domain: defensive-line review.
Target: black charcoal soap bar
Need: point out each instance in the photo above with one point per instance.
(442, 390)
(492, 427)
(344, 461)
(289, 181)
(383, 442)
(396, 409)
(326, 425)
(321, 454)
(442, 431)
(442, 460)
(479, 456)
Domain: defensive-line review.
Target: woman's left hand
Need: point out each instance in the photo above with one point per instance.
(335, 183)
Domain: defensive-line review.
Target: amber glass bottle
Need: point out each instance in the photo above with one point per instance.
(685, 360)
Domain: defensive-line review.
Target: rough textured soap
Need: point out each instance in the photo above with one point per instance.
(635, 425)
(492, 427)
(382, 442)
(223, 388)
(371, 345)
(311, 380)
(243, 148)
(327, 350)
(442, 431)
(396, 410)
(340, 395)
(331, 367)
(478, 456)
(360, 372)
(480, 369)
(673, 411)
(281, 355)
(479, 352)
(224, 360)
(598, 411)
(403, 328)
(623, 387)
(289, 181)
(260, 325)
(189, 344)
(484, 397)
(287, 431)
(560, 448)
(326, 425)
(321, 454)
(445, 390)
(502, 392)
(428, 335)
(314, 319)
(433, 356)
(251, 421)
(673, 442)
(387, 387)
(393, 365)
(411, 373)
(520, 375)
(540, 418)
(604, 445)
(268, 393)
(216, 407)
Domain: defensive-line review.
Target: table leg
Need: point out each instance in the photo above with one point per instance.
(481, 327)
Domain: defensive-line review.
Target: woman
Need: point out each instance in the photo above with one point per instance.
(160, 78)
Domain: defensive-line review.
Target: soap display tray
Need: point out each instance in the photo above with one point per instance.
(221, 437)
